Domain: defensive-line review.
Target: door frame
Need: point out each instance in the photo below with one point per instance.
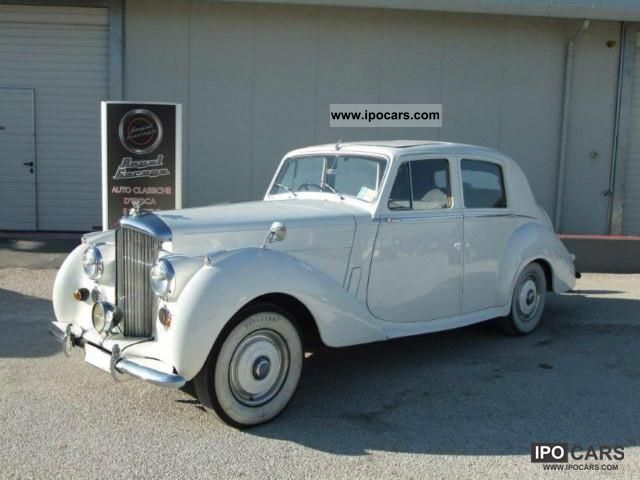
(404, 216)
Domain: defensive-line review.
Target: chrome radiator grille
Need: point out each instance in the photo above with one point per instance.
(136, 253)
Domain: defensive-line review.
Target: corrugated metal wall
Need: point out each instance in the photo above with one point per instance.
(257, 80)
(61, 52)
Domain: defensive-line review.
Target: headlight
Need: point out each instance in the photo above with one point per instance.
(92, 263)
(105, 316)
(162, 278)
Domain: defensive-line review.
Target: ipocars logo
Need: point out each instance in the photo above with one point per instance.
(562, 453)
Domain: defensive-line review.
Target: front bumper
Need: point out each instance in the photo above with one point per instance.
(117, 364)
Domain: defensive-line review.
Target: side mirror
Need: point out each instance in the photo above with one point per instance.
(277, 233)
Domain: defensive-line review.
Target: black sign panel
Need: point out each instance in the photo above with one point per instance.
(141, 158)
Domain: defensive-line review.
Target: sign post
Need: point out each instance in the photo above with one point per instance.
(141, 158)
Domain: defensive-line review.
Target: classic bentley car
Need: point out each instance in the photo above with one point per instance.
(352, 243)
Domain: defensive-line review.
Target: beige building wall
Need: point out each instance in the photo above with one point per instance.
(257, 80)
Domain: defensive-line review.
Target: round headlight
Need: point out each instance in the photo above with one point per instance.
(105, 316)
(162, 276)
(92, 263)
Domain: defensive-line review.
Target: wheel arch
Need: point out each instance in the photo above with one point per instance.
(548, 271)
(303, 317)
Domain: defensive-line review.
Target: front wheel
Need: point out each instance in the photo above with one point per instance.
(527, 302)
(251, 375)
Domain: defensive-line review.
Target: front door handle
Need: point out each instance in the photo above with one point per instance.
(28, 164)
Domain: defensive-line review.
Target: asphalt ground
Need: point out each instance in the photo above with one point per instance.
(461, 404)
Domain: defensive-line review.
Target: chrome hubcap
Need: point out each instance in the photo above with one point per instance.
(528, 298)
(259, 368)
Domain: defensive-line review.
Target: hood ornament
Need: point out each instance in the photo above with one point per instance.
(136, 210)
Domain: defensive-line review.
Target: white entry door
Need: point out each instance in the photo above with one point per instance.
(17, 160)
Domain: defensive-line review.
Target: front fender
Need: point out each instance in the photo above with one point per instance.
(217, 291)
(70, 277)
(529, 242)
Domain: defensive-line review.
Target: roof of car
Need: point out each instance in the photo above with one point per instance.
(396, 147)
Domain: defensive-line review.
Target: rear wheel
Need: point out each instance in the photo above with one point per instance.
(527, 302)
(252, 373)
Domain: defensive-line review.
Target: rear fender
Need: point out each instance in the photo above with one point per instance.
(530, 242)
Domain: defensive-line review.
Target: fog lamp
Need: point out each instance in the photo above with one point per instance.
(105, 316)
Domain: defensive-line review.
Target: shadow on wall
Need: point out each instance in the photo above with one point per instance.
(24, 326)
(474, 391)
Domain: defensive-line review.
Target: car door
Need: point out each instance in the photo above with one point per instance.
(416, 267)
(488, 224)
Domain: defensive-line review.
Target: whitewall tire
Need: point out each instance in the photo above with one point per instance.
(253, 370)
(527, 301)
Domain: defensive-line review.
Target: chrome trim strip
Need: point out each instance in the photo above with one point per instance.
(489, 215)
(148, 223)
(417, 218)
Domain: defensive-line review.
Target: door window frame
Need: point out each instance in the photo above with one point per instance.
(454, 187)
(505, 183)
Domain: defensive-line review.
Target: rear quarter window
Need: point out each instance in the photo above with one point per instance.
(483, 184)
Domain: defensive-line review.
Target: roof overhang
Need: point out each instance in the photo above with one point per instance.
(621, 10)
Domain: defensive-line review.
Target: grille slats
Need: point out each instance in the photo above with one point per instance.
(136, 253)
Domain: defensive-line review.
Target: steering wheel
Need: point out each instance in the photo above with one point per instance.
(306, 186)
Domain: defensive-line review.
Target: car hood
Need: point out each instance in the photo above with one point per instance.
(320, 225)
(259, 215)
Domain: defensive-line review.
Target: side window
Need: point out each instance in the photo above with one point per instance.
(421, 185)
(430, 184)
(400, 197)
(482, 185)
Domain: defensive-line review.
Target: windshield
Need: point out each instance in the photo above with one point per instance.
(351, 175)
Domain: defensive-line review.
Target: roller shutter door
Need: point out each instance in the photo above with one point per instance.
(62, 53)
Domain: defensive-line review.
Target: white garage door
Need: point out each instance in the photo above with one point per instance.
(631, 212)
(62, 53)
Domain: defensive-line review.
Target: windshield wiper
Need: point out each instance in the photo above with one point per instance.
(324, 185)
(288, 189)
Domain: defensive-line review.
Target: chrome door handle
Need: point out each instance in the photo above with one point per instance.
(28, 164)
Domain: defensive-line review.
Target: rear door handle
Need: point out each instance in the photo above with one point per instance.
(28, 164)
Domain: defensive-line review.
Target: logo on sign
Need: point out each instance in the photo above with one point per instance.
(140, 131)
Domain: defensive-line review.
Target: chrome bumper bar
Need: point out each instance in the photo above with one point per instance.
(119, 366)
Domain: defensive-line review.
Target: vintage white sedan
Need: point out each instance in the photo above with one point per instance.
(352, 243)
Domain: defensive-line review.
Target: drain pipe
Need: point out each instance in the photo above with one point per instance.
(562, 162)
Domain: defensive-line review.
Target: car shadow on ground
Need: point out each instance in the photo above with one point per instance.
(474, 391)
(24, 326)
